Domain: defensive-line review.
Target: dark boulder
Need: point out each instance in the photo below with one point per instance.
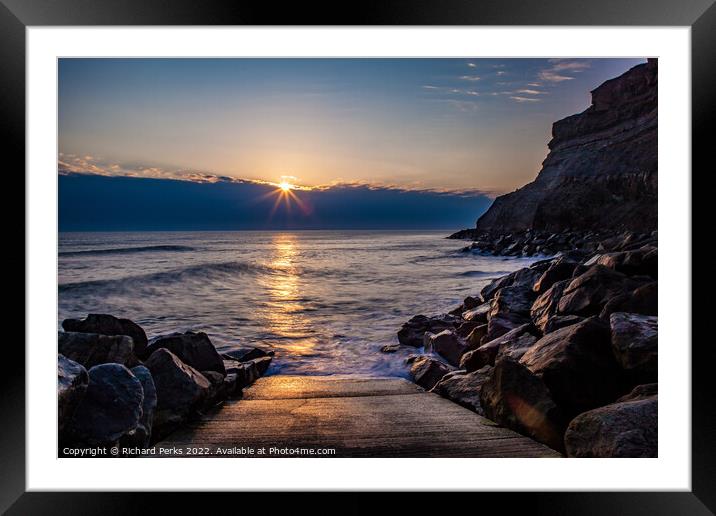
(110, 409)
(91, 349)
(105, 324)
(635, 344)
(561, 321)
(194, 349)
(577, 365)
(231, 385)
(466, 328)
(510, 309)
(513, 343)
(247, 372)
(545, 306)
(426, 371)
(589, 292)
(640, 392)
(560, 269)
(511, 302)
(412, 332)
(516, 398)
(181, 390)
(640, 262)
(140, 436)
(463, 388)
(624, 429)
(525, 277)
(447, 344)
(390, 348)
(477, 314)
(216, 392)
(246, 354)
(72, 380)
(642, 300)
(476, 336)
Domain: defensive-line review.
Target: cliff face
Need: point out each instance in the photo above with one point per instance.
(601, 171)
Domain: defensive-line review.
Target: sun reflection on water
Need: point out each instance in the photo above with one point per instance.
(285, 315)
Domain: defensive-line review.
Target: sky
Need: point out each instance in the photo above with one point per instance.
(475, 127)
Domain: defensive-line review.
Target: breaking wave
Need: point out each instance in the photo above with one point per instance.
(130, 250)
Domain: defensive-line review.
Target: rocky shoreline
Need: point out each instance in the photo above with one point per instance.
(529, 243)
(563, 351)
(119, 389)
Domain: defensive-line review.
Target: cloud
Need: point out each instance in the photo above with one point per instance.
(469, 77)
(560, 67)
(524, 99)
(527, 91)
(549, 76)
(71, 165)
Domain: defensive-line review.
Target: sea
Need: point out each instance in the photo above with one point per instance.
(324, 301)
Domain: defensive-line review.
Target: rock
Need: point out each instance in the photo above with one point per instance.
(427, 371)
(246, 354)
(642, 300)
(181, 390)
(91, 349)
(510, 309)
(463, 388)
(231, 385)
(514, 342)
(622, 429)
(635, 344)
(446, 344)
(545, 306)
(471, 302)
(140, 436)
(516, 398)
(72, 380)
(601, 171)
(589, 292)
(216, 392)
(464, 329)
(390, 348)
(477, 314)
(104, 324)
(561, 321)
(641, 392)
(110, 409)
(474, 339)
(412, 332)
(577, 366)
(262, 364)
(247, 372)
(194, 349)
(559, 269)
(642, 262)
(525, 277)
(512, 303)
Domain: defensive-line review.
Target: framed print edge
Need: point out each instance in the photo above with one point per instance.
(702, 15)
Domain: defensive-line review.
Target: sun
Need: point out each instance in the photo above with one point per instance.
(285, 186)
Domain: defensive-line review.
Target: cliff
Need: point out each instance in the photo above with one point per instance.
(601, 170)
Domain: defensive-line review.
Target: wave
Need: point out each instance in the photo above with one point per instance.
(129, 250)
(201, 272)
(496, 274)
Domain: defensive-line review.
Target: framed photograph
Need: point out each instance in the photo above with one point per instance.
(411, 249)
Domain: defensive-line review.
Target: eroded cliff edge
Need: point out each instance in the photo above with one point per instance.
(601, 170)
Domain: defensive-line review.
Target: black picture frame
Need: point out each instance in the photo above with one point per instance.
(17, 15)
